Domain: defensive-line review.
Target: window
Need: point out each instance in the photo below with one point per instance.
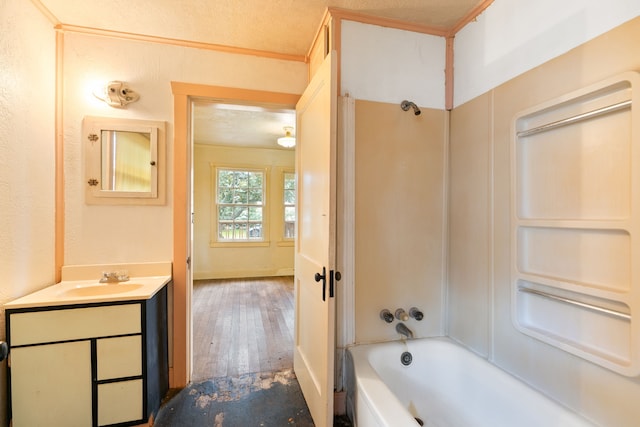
(240, 204)
(289, 199)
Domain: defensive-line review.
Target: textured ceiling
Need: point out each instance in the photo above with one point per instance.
(240, 125)
(279, 26)
(283, 26)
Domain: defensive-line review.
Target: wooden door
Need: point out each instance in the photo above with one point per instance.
(314, 344)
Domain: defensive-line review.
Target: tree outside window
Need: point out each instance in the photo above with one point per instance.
(289, 197)
(240, 204)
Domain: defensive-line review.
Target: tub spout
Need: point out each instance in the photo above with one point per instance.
(402, 329)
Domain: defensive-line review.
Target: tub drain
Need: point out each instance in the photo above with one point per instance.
(406, 358)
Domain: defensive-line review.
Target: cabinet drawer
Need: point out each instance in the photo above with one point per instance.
(74, 324)
(119, 357)
(120, 402)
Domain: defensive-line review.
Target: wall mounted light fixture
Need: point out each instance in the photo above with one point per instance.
(287, 140)
(116, 94)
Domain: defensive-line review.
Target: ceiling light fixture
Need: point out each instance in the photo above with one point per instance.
(287, 140)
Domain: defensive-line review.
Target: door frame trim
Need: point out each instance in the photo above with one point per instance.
(183, 95)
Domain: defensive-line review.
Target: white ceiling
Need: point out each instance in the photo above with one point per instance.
(240, 125)
(280, 26)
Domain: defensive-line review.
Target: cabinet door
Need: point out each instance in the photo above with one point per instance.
(51, 385)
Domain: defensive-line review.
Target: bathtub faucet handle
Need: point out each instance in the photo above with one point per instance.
(386, 315)
(402, 315)
(416, 313)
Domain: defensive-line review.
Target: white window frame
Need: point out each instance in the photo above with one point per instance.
(287, 240)
(215, 240)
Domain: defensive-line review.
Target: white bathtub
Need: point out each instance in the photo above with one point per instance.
(445, 385)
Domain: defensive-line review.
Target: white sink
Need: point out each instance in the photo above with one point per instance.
(100, 289)
(80, 285)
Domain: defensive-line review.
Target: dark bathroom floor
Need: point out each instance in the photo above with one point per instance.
(243, 359)
(270, 399)
(262, 399)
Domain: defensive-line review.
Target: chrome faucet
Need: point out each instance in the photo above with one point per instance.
(402, 329)
(114, 277)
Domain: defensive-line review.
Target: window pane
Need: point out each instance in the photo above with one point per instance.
(255, 197)
(241, 214)
(255, 179)
(241, 179)
(289, 181)
(225, 195)
(225, 178)
(225, 231)
(241, 196)
(225, 213)
(255, 231)
(289, 200)
(290, 213)
(255, 214)
(240, 231)
(289, 197)
(289, 230)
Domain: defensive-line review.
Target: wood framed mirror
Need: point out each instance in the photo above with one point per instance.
(124, 161)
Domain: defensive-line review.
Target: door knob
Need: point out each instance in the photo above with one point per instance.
(322, 277)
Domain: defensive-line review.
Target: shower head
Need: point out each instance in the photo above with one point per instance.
(405, 105)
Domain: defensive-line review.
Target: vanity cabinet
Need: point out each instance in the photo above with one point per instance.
(100, 364)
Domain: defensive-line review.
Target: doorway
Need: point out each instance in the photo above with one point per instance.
(184, 97)
(241, 196)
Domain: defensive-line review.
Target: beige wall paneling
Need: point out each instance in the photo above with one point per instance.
(470, 243)
(598, 393)
(399, 192)
(573, 223)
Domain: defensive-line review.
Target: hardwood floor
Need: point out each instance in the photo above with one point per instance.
(242, 326)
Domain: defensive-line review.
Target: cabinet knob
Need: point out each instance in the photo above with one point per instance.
(4, 350)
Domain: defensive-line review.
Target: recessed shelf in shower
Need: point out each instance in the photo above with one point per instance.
(575, 217)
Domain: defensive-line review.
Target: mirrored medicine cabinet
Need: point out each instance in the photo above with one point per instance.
(124, 161)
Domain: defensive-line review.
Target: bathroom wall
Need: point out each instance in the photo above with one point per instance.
(480, 259)
(399, 158)
(511, 37)
(101, 234)
(399, 218)
(27, 149)
(276, 259)
(389, 65)
(469, 254)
